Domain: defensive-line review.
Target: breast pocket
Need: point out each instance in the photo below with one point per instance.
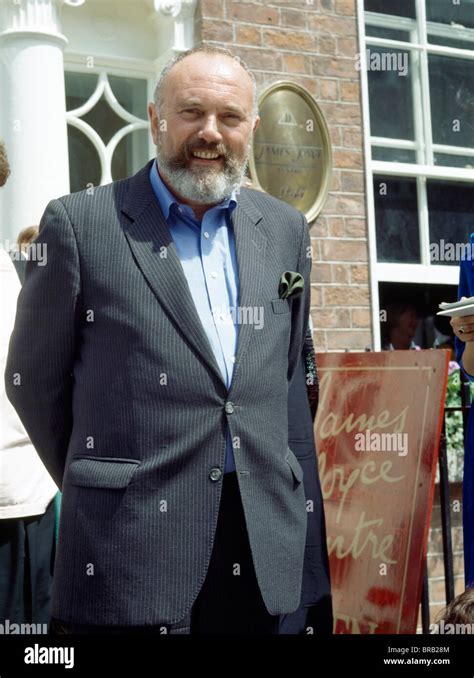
(281, 305)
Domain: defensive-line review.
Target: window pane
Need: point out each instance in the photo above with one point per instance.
(394, 7)
(452, 100)
(84, 164)
(448, 12)
(396, 220)
(390, 93)
(450, 160)
(388, 33)
(393, 154)
(450, 216)
(130, 155)
(451, 42)
(131, 94)
(79, 88)
(104, 120)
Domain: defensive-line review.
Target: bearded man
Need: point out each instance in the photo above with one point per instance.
(150, 364)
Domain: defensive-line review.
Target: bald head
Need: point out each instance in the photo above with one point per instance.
(196, 58)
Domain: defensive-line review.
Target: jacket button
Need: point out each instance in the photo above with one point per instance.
(215, 474)
(229, 407)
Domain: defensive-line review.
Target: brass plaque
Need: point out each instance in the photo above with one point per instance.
(291, 155)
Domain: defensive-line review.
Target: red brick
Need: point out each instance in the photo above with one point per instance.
(252, 13)
(347, 7)
(327, 45)
(352, 137)
(329, 90)
(335, 182)
(344, 250)
(350, 90)
(212, 8)
(319, 227)
(354, 340)
(321, 273)
(332, 317)
(347, 47)
(291, 40)
(346, 159)
(296, 63)
(247, 35)
(259, 59)
(352, 182)
(332, 25)
(293, 18)
(359, 274)
(319, 340)
(335, 134)
(316, 296)
(341, 274)
(220, 31)
(336, 227)
(342, 114)
(361, 317)
(349, 205)
(356, 228)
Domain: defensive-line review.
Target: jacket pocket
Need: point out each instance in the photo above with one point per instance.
(281, 305)
(108, 473)
(294, 465)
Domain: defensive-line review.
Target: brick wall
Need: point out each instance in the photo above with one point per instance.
(314, 44)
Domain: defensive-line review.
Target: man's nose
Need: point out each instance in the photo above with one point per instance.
(209, 131)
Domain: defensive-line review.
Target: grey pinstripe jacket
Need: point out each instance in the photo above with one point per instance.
(112, 375)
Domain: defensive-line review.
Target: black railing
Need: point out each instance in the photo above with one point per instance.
(444, 498)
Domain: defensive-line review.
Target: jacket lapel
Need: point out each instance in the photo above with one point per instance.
(152, 245)
(250, 245)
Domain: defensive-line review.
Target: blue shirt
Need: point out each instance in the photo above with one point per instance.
(207, 253)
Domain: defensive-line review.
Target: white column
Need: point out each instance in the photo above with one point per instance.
(174, 21)
(32, 111)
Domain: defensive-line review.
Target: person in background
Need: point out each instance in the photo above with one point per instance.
(26, 489)
(459, 611)
(402, 321)
(463, 329)
(24, 240)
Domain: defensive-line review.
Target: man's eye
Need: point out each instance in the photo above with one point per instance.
(191, 111)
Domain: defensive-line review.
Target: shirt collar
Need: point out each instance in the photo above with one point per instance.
(166, 199)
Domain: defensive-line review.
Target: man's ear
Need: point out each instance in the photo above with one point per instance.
(153, 122)
(256, 124)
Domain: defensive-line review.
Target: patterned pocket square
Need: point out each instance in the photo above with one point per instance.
(291, 284)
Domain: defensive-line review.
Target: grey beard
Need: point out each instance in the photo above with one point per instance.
(204, 186)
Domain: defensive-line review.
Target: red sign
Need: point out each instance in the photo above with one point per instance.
(377, 434)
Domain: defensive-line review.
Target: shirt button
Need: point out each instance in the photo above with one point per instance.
(215, 474)
(229, 407)
(206, 234)
(213, 274)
